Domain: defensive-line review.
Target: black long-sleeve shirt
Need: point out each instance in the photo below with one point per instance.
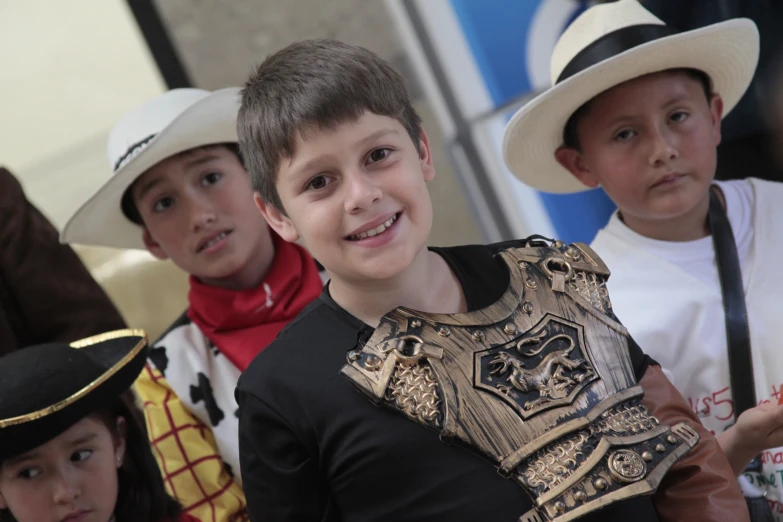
(313, 448)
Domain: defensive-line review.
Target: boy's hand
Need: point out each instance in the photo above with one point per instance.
(756, 429)
(761, 427)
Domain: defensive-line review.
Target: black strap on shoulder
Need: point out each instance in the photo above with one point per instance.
(737, 332)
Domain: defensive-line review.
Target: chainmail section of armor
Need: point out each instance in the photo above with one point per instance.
(554, 463)
(414, 390)
(626, 419)
(550, 466)
(593, 289)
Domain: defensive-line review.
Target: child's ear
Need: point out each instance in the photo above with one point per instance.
(152, 246)
(716, 110)
(277, 219)
(425, 156)
(572, 160)
(120, 442)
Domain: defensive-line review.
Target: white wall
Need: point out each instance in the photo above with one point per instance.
(68, 71)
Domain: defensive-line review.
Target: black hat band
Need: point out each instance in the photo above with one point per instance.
(612, 44)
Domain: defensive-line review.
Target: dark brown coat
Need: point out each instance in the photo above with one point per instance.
(46, 293)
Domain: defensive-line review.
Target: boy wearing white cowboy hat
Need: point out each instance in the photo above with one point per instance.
(178, 188)
(636, 109)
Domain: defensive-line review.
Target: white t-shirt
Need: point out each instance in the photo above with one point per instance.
(698, 257)
(668, 296)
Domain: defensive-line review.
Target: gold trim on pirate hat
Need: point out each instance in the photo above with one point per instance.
(605, 46)
(49, 387)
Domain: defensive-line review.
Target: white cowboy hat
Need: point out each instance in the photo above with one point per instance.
(176, 121)
(607, 45)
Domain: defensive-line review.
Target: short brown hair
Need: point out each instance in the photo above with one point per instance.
(313, 83)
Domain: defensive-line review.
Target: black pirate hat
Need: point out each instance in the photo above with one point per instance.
(46, 389)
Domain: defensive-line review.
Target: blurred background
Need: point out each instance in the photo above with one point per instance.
(70, 70)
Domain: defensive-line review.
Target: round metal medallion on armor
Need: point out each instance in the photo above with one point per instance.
(626, 466)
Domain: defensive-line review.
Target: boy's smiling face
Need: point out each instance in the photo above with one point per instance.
(356, 194)
(651, 144)
(198, 210)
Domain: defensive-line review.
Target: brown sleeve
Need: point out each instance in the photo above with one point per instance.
(700, 486)
(47, 293)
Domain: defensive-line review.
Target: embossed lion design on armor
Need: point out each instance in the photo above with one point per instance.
(548, 378)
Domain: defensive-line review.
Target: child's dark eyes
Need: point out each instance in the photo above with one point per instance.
(76, 457)
(379, 154)
(163, 204)
(624, 135)
(317, 183)
(211, 178)
(320, 181)
(81, 455)
(679, 116)
(29, 473)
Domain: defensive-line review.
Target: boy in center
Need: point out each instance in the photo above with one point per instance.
(509, 351)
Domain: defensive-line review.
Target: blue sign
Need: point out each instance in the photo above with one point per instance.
(508, 39)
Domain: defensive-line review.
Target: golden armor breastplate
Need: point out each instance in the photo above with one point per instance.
(541, 383)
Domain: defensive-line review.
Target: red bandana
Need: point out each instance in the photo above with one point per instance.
(241, 324)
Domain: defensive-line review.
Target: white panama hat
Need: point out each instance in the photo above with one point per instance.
(605, 46)
(176, 121)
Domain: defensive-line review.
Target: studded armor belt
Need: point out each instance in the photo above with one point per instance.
(541, 383)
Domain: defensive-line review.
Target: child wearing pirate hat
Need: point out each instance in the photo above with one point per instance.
(179, 189)
(636, 109)
(71, 444)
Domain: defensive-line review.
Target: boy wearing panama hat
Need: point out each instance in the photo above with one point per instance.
(510, 350)
(178, 188)
(636, 109)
